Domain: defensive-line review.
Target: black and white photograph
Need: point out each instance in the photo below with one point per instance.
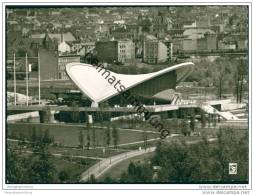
(152, 95)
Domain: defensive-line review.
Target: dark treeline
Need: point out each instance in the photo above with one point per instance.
(202, 162)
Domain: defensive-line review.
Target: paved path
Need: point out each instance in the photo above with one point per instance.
(101, 167)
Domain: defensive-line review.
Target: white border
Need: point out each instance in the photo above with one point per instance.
(32, 188)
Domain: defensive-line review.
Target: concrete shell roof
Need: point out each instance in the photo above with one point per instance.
(96, 86)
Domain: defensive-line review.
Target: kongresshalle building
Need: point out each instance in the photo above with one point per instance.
(100, 84)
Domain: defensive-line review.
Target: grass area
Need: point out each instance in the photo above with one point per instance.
(67, 151)
(69, 135)
(89, 153)
(125, 124)
(212, 132)
(137, 145)
(73, 166)
(116, 171)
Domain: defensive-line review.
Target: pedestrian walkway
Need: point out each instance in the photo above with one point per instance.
(101, 167)
(211, 110)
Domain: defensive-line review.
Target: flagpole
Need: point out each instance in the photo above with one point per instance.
(26, 82)
(14, 77)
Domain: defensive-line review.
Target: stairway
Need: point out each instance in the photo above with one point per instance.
(226, 115)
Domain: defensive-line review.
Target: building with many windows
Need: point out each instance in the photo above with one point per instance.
(156, 51)
(115, 51)
(199, 40)
(126, 51)
(62, 61)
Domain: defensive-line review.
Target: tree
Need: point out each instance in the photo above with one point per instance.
(137, 173)
(178, 164)
(219, 76)
(16, 168)
(214, 120)
(145, 139)
(21, 143)
(174, 114)
(226, 151)
(108, 179)
(88, 139)
(203, 119)
(209, 120)
(146, 24)
(100, 117)
(220, 85)
(87, 131)
(75, 112)
(115, 135)
(93, 137)
(241, 70)
(81, 139)
(41, 169)
(33, 137)
(92, 179)
(63, 176)
(185, 127)
(192, 121)
(108, 136)
(46, 139)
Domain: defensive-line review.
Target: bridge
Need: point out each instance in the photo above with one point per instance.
(31, 108)
(48, 110)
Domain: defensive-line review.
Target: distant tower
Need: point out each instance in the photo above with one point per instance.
(62, 38)
(46, 41)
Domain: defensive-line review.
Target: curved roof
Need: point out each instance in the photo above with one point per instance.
(95, 84)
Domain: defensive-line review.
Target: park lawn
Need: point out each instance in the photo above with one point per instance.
(73, 166)
(136, 146)
(116, 171)
(87, 153)
(69, 135)
(213, 132)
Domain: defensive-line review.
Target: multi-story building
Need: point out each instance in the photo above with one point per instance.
(48, 57)
(107, 51)
(169, 44)
(62, 61)
(126, 51)
(150, 49)
(48, 64)
(63, 47)
(156, 51)
(199, 39)
(85, 48)
(161, 23)
(115, 51)
(67, 37)
(121, 33)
